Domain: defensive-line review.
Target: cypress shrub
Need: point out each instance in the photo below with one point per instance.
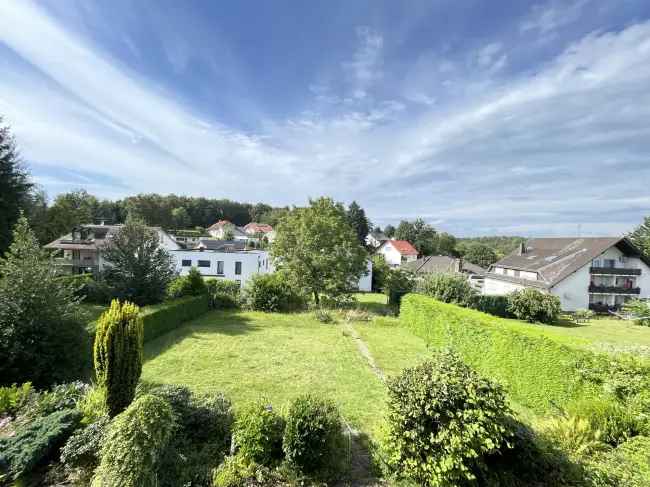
(118, 354)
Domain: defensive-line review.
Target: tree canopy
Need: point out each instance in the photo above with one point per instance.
(479, 254)
(641, 236)
(319, 251)
(358, 221)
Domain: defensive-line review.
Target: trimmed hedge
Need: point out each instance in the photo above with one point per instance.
(538, 372)
(161, 318)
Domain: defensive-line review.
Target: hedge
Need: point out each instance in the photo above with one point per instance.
(538, 372)
(161, 318)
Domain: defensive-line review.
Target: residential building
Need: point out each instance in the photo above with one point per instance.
(397, 252)
(188, 238)
(81, 249)
(259, 231)
(374, 239)
(443, 264)
(222, 228)
(594, 273)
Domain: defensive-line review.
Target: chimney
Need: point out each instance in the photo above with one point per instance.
(522, 248)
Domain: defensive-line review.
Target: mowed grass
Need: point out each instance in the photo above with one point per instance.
(252, 355)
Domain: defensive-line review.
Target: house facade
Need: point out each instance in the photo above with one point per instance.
(600, 274)
(223, 228)
(374, 239)
(397, 252)
(80, 251)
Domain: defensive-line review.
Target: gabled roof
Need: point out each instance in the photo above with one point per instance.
(404, 247)
(379, 236)
(554, 259)
(442, 264)
(219, 224)
(254, 227)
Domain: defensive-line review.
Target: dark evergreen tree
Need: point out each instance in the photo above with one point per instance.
(358, 220)
(389, 231)
(641, 236)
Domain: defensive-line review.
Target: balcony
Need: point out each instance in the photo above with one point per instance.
(593, 288)
(615, 271)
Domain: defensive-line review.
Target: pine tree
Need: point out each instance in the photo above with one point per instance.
(358, 220)
(14, 186)
(641, 236)
(118, 354)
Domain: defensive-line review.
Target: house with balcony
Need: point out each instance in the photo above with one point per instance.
(599, 273)
(80, 251)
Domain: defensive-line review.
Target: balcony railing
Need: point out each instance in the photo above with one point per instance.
(615, 271)
(613, 289)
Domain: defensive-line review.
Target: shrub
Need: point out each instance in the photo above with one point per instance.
(81, 451)
(313, 442)
(93, 405)
(37, 441)
(448, 288)
(257, 434)
(615, 422)
(236, 471)
(533, 305)
(271, 293)
(397, 283)
(583, 315)
(118, 354)
(443, 418)
(223, 293)
(14, 398)
(162, 318)
(379, 270)
(134, 443)
(639, 310)
(492, 304)
(628, 465)
(574, 435)
(190, 285)
(60, 397)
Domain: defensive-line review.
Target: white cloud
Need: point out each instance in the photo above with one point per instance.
(553, 15)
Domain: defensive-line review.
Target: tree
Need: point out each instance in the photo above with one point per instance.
(359, 222)
(180, 218)
(14, 186)
(319, 250)
(480, 254)
(641, 236)
(420, 234)
(69, 210)
(445, 244)
(41, 338)
(139, 269)
(389, 231)
(118, 354)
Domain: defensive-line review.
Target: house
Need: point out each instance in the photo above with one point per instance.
(258, 231)
(223, 228)
(595, 273)
(82, 248)
(220, 245)
(188, 238)
(397, 252)
(375, 238)
(443, 264)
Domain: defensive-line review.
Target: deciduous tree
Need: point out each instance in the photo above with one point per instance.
(641, 236)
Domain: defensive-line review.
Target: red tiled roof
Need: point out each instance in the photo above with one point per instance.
(219, 224)
(404, 247)
(258, 228)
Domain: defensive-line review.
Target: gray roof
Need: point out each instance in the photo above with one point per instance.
(441, 264)
(222, 245)
(379, 236)
(554, 259)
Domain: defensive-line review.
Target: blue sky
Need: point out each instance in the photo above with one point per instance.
(481, 117)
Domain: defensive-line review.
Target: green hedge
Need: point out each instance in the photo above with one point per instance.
(161, 318)
(538, 372)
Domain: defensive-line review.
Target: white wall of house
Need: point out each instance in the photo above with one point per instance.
(208, 263)
(167, 241)
(574, 290)
(499, 288)
(393, 257)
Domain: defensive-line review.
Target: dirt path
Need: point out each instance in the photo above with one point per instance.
(363, 350)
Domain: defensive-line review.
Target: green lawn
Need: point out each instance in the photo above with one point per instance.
(249, 355)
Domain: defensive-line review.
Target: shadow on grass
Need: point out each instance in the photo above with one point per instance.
(222, 322)
(568, 323)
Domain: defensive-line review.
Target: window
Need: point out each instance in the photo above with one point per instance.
(237, 268)
(186, 263)
(220, 267)
(609, 263)
(203, 263)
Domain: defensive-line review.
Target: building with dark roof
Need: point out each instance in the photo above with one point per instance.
(443, 264)
(599, 273)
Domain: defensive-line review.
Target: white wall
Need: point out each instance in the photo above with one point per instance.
(253, 262)
(393, 257)
(574, 290)
(499, 288)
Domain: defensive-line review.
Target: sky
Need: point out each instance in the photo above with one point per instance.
(483, 118)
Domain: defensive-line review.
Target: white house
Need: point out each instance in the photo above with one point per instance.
(594, 273)
(397, 252)
(375, 238)
(222, 228)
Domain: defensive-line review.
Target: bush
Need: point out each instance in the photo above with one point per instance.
(60, 397)
(162, 318)
(492, 305)
(257, 434)
(533, 305)
(615, 422)
(93, 405)
(81, 451)
(313, 442)
(271, 293)
(574, 435)
(448, 288)
(37, 441)
(223, 293)
(134, 443)
(583, 315)
(639, 310)
(397, 283)
(628, 465)
(236, 471)
(14, 398)
(379, 271)
(443, 419)
(118, 354)
(190, 285)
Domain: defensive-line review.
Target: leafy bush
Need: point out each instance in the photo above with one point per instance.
(574, 435)
(313, 442)
(81, 451)
(615, 422)
(443, 418)
(162, 318)
(37, 441)
(448, 288)
(60, 397)
(379, 271)
(533, 305)
(118, 354)
(223, 293)
(271, 293)
(323, 315)
(93, 404)
(190, 285)
(134, 443)
(257, 434)
(639, 310)
(237, 471)
(397, 283)
(492, 305)
(628, 465)
(583, 315)
(14, 398)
